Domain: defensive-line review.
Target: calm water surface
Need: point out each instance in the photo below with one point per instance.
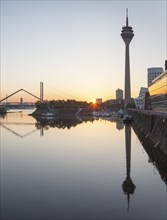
(76, 169)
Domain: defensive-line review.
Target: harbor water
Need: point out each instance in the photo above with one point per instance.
(77, 168)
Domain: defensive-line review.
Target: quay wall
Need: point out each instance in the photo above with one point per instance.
(156, 156)
(153, 125)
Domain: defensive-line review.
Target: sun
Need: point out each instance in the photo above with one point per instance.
(93, 101)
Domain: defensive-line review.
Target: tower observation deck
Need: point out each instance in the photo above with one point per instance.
(127, 35)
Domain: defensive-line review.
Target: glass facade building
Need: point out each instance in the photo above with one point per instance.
(153, 73)
(158, 93)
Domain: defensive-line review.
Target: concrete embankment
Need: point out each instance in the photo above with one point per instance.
(153, 125)
(155, 154)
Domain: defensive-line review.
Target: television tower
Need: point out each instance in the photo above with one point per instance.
(127, 35)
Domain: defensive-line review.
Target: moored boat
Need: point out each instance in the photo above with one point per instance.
(48, 115)
(127, 118)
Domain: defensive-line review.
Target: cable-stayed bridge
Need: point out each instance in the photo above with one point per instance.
(50, 94)
(21, 104)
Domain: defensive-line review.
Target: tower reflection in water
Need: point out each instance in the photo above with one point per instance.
(128, 185)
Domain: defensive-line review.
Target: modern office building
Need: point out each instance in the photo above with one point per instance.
(158, 92)
(152, 73)
(140, 100)
(142, 91)
(119, 94)
(127, 35)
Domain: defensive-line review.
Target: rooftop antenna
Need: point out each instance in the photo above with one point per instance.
(127, 17)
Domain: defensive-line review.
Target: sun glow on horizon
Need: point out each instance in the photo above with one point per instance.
(93, 101)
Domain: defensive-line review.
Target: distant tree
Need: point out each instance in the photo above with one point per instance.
(40, 104)
(69, 103)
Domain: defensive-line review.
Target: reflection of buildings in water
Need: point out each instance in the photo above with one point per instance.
(119, 124)
(128, 186)
(118, 121)
(71, 121)
(60, 122)
(41, 131)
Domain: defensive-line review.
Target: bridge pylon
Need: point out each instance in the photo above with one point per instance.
(41, 91)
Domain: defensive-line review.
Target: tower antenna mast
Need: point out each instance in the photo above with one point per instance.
(127, 17)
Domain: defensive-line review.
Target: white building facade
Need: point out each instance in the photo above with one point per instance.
(140, 101)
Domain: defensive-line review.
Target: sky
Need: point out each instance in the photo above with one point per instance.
(75, 47)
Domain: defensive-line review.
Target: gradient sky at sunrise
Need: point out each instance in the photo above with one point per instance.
(75, 47)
